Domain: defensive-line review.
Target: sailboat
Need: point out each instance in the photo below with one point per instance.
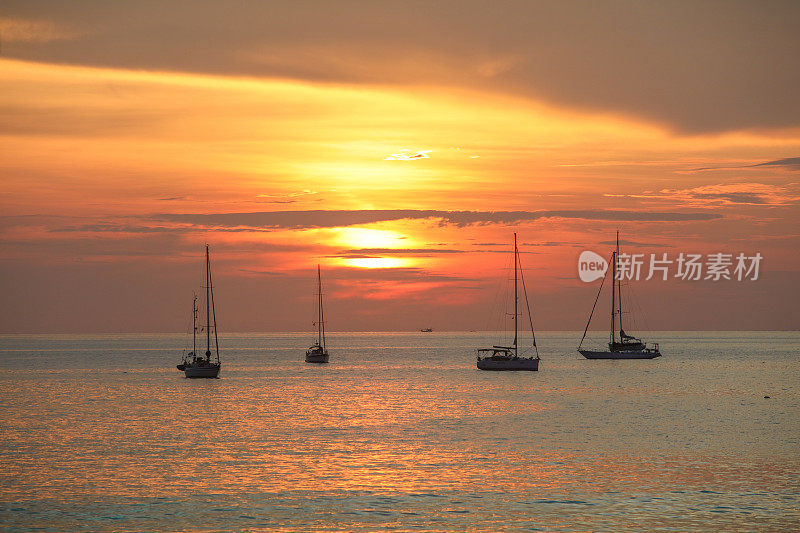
(203, 366)
(507, 357)
(625, 346)
(317, 353)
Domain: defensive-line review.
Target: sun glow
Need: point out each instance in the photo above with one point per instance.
(370, 238)
(377, 262)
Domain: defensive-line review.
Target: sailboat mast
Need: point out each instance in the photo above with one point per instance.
(194, 324)
(516, 298)
(619, 295)
(208, 307)
(613, 295)
(320, 326)
(213, 314)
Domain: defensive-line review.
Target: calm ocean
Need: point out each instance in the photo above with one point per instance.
(399, 432)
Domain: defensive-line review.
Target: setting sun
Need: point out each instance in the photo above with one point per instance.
(377, 262)
(369, 238)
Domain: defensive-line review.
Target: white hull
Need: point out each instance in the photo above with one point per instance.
(628, 354)
(511, 363)
(202, 371)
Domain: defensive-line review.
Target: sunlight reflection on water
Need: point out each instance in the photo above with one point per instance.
(398, 432)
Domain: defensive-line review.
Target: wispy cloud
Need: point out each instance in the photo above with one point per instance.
(399, 251)
(304, 192)
(336, 274)
(790, 162)
(723, 194)
(637, 244)
(132, 228)
(733, 194)
(24, 30)
(371, 253)
(408, 155)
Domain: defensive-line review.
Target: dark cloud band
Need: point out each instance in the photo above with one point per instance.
(590, 62)
(342, 218)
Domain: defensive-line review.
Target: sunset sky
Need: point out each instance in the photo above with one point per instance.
(399, 145)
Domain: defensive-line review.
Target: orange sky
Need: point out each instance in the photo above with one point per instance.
(115, 173)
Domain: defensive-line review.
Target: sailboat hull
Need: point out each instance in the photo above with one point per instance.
(317, 357)
(628, 354)
(201, 371)
(513, 363)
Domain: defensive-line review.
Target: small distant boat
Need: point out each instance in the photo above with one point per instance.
(317, 353)
(426, 330)
(625, 346)
(202, 366)
(507, 357)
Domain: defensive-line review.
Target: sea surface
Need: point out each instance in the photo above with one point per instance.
(399, 432)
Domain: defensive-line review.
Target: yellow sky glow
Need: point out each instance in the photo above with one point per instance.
(108, 150)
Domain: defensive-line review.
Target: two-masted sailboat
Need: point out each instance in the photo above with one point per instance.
(203, 366)
(317, 353)
(625, 346)
(507, 357)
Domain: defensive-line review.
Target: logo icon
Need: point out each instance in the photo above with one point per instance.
(591, 266)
